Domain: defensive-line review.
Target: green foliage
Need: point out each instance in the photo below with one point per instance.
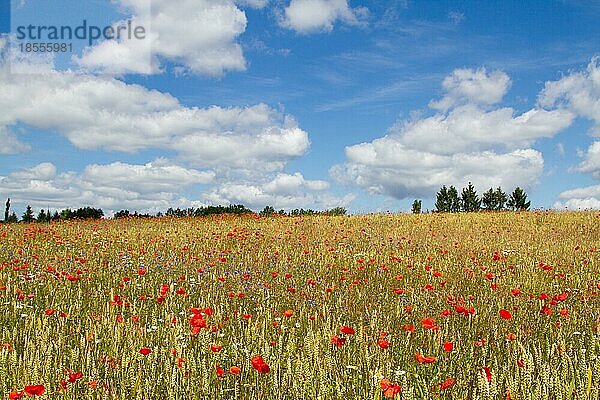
(494, 200)
(232, 209)
(500, 198)
(28, 216)
(7, 210)
(488, 200)
(447, 200)
(122, 214)
(267, 211)
(13, 218)
(453, 200)
(81, 213)
(337, 211)
(416, 206)
(42, 216)
(518, 200)
(126, 214)
(442, 202)
(469, 199)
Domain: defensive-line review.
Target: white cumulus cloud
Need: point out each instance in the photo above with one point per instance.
(103, 113)
(591, 163)
(579, 92)
(201, 35)
(472, 86)
(313, 16)
(284, 191)
(586, 198)
(466, 140)
(112, 186)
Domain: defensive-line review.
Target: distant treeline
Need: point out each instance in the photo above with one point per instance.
(47, 216)
(449, 200)
(97, 213)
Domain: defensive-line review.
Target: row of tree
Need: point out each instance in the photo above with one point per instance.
(448, 200)
(97, 213)
(64, 215)
(269, 211)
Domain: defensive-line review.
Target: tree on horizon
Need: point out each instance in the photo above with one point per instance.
(518, 200)
(416, 206)
(28, 215)
(442, 203)
(470, 200)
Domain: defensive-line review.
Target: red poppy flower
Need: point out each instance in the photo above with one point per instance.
(424, 360)
(35, 390)
(215, 348)
(145, 351)
(235, 370)
(74, 377)
(384, 344)
(338, 341)
(259, 364)
(448, 383)
(164, 289)
(448, 346)
(505, 314)
(390, 389)
(49, 311)
(198, 321)
(347, 330)
(14, 395)
(220, 372)
(288, 313)
(546, 310)
(428, 323)
(562, 296)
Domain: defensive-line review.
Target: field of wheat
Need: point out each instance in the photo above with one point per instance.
(438, 306)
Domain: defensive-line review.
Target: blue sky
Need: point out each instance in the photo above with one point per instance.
(304, 103)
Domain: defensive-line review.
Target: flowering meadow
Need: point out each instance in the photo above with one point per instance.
(433, 306)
